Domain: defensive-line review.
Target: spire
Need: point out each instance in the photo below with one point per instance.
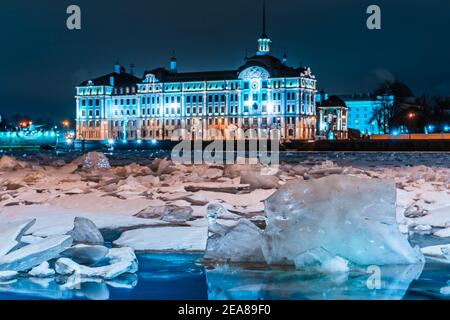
(264, 34)
(264, 41)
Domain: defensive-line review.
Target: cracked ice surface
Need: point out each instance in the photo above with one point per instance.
(52, 190)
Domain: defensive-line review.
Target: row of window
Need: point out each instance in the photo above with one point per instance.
(174, 122)
(91, 113)
(90, 102)
(176, 111)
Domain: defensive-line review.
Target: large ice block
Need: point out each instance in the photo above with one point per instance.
(352, 218)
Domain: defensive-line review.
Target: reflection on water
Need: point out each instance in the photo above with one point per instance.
(182, 277)
(235, 283)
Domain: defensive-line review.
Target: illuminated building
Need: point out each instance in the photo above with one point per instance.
(361, 108)
(332, 119)
(263, 94)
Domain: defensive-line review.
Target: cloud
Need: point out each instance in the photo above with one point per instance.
(384, 75)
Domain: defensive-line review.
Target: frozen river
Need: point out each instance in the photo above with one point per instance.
(182, 277)
(48, 189)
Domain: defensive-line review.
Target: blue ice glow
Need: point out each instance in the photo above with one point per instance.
(181, 277)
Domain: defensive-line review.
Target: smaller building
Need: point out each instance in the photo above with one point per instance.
(332, 119)
(361, 108)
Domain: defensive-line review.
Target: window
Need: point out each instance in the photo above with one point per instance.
(97, 113)
(90, 113)
(97, 102)
(90, 103)
(246, 97)
(83, 113)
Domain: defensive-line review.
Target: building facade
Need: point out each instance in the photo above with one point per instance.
(361, 108)
(332, 116)
(264, 95)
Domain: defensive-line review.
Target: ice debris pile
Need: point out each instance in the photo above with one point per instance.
(160, 205)
(74, 258)
(328, 224)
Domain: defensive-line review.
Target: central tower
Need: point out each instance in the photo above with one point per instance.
(264, 41)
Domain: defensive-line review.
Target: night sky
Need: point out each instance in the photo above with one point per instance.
(42, 61)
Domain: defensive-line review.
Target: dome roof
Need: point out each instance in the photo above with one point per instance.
(334, 101)
(272, 64)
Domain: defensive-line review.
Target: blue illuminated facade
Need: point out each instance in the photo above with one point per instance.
(263, 94)
(361, 108)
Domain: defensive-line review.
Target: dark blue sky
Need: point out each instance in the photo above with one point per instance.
(42, 61)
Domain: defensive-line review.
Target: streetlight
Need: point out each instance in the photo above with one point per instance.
(411, 116)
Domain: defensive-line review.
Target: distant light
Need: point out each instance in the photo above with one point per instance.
(446, 128)
(69, 141)
(395, 133)
(111, 141)
(154, 141)
(124, 141)
(139, 141)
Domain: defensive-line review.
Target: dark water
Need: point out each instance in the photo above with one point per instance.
(180, 276)
(357, 159)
